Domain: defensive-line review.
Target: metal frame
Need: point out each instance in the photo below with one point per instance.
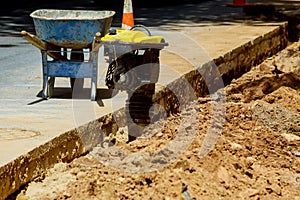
(71, 69)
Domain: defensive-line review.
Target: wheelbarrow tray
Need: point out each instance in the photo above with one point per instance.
(71, 28)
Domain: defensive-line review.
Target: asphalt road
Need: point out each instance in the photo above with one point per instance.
(15, 19)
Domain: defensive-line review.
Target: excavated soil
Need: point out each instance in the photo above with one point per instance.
(255, 156)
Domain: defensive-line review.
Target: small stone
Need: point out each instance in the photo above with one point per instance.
(236, 146)
(276, 189)
(121, 179)
(223, 174)
(250, 192)
(246, 125)
(250, 160)
(81, 175)
(67, 194)
(159, 134)
(297, 153)
(290, 137)
(204, 99)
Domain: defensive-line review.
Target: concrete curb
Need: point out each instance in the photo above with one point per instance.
(70, 145)
(228, 67)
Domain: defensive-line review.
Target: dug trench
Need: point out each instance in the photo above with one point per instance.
(256, 155)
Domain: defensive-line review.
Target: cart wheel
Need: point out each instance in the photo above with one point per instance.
(110, 75)
(79, 82)
(77, 55)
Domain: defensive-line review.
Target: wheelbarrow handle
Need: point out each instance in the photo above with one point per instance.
(44, 46)
(97, 43)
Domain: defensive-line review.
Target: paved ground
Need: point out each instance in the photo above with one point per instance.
(26, 121)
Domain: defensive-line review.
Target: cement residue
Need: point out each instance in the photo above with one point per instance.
(17, 133)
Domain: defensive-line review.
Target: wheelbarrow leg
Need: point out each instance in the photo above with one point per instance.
(45, 88)
(48, 83)
(94, 59)
(45, 75)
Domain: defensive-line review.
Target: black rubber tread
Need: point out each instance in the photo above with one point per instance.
(77, 55)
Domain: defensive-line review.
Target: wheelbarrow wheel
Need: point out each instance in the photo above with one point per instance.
(77, 56)
(78, 81)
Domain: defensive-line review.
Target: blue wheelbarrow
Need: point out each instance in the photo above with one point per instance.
(64, 38)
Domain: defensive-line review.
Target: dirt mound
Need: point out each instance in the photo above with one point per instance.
(255, 157)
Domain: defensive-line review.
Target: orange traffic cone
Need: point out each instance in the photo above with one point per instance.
(127, 20)
(239, 3)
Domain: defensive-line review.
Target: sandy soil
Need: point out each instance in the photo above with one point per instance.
(256, 156)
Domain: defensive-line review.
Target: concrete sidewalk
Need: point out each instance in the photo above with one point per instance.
(28, 122)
